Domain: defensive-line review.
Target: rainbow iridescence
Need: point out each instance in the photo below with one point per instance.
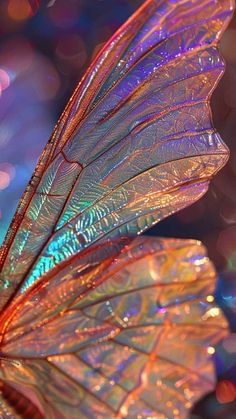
(116, 349)
(134, 145)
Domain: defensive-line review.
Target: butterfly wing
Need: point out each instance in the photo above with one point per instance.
(138, 344)
(135, 142)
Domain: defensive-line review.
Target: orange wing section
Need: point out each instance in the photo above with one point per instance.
(138, 343)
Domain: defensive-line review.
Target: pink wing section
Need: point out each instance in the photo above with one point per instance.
(139, 343)
(135, 143)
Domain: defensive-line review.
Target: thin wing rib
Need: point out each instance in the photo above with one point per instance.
(135, 143)
(137, 344)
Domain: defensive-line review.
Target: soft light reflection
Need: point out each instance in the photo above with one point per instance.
(71, 53)
(210, 350)
(47, 84)
(16, 55)
(213, 312)
(25, 121)
(4, 180)
(229, 343)
(4, 80)
(9, 169)
(19, 9)
(5, 135)
(225, 391)
(64, 14)
(210, 298)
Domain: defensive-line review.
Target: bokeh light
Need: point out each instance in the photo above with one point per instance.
(4, 180)
(16, 56)
(229, 343)
(71, 53)
(4, 79)
(225, 391)
(64, 14)
(227, 43)
(19, 9)
(47, 84)
(211, 350)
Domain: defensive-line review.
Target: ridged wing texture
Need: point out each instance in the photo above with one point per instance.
(134, 144)
(136, 345)
(14, 405)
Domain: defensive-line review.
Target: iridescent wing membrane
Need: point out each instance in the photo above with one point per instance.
(135, 144)
(137, 345)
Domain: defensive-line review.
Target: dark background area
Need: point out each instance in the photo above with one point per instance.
(45, 48)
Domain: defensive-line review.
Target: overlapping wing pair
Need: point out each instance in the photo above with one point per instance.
(134, 144)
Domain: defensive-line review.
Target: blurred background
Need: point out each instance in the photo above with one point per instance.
(45, 48)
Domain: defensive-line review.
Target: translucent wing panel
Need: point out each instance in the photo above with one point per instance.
(134, 145)
(78, 306)
(15, 404)
(115, 349)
